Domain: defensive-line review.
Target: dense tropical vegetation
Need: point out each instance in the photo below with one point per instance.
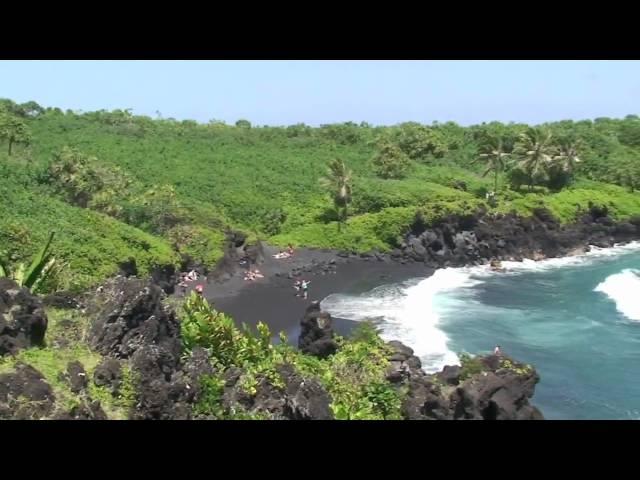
(116, 186)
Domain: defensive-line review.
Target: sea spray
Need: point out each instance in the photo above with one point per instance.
(624, 289)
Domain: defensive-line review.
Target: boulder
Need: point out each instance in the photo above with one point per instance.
(300, 399)
(450, 375)
(23, 322)
(501, 391)
(128, 268)
(316, 334)
(108, 374)
(25, 395)
(132, 315)
(165, 277)
(77, 377)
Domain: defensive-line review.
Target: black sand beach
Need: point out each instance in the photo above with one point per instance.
(272, 299)
(456, 241)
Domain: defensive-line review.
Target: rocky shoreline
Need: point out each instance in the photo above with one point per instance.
(452, 241)
(475, 239)
(487, 388)
(132, 326)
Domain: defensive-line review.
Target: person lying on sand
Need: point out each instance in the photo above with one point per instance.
(284, 254)
(192, 276)
(253, 274)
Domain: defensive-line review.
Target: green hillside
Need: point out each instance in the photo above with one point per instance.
(115, 186)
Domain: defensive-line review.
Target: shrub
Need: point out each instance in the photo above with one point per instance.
(391, 161)
(354, 376)
(469, 366)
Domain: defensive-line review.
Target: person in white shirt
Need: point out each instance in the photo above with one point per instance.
(305, 288)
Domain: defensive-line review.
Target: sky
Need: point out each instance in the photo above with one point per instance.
(319, 92)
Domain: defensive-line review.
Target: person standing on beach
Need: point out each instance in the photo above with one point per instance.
(305, 288)
(497, 352)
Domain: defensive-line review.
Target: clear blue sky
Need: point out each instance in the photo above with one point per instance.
(317, 92)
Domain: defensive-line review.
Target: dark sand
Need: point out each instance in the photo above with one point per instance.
(272, 299)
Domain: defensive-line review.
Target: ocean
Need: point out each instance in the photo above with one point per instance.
(575, 319)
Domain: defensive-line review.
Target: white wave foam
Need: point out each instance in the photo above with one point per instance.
(623, 289)
(411, 312)
(594, 253)
(615, 250)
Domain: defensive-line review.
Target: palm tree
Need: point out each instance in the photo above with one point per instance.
(338, 183)
(495, 156)
(535, 153)
(564, 162)
(567, 155)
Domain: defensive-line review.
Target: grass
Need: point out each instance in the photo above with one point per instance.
(52, 363)
(116, 406)
(469, 366)
(66, 343)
